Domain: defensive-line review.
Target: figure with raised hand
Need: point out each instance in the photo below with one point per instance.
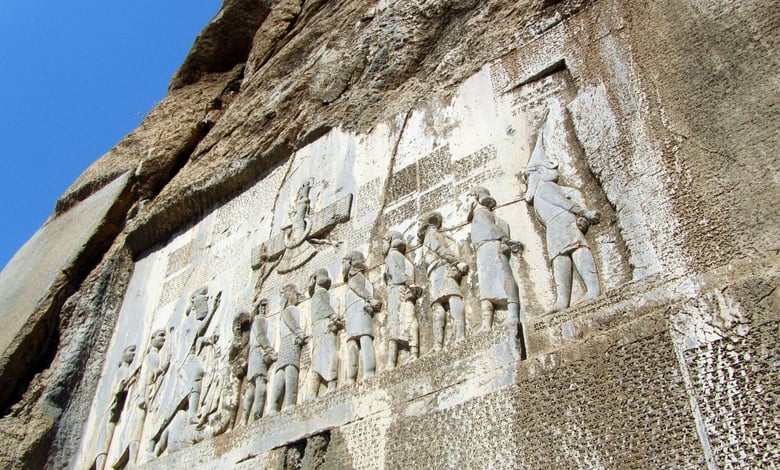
(562, 211)
(490, 236)
(402, 292)
(360, 308)
(445, 269)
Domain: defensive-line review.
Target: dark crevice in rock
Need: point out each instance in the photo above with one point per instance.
(306, 454)
(89, 317)
(552, 69)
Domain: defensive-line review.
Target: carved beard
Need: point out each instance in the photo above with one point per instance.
(533, 184)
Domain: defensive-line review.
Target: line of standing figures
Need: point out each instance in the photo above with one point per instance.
(192, 403)
(445, 268)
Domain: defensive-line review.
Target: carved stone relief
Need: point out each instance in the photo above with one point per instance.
(464, 241)
(561, 209)
(444, 268)
(360, 305)
(284, 391)
(402, 293)
(261, 356)
(326, 324)
(490, 236)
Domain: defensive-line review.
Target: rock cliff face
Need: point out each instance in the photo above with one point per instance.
(297, 132)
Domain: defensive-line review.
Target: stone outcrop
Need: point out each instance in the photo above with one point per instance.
(299, 132)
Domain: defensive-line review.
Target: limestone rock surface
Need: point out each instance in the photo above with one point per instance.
(670, 110)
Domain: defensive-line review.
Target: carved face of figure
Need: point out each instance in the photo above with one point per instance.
(290, 293)
(394, 240)
(430, 221)
(260, 307)
(322, 278)
(158, 339)
(583, 224)
(200, 302)
(241, 323)
(536, 174)
(352, 263)
(128, 355)
(482, 197)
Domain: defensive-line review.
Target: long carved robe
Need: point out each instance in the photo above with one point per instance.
(440, 260)
(359, 322)
(289, 330)
(496, 281)
(325, 348)
(400, 304)
(553, 207)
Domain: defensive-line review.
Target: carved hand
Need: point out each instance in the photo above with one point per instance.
(373, 305)
(270, 356)
(593, 216)
(515, 246)
(462, 267)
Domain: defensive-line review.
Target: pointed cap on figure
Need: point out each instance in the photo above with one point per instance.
(539, 167)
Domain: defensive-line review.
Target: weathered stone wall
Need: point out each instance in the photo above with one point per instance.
(666, 118)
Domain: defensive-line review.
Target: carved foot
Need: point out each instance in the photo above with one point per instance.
(588, 296)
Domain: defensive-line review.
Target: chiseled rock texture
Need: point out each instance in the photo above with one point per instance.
(677, 366)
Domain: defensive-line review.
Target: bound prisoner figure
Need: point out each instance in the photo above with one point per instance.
(360, 308)
(490, 236)
(562, 211)
(325, 327)
(261, 356)
(402, 292)
(445, 269)
(125, 379)
(284, 392)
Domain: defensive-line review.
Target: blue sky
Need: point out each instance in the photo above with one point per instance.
(75, 77)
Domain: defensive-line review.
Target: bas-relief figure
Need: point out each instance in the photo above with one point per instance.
(197, 319)
(325, 327)
(562, 211)
(297, 243)
(219, 409)
(261, 356)
(445, 269)
(125, 379)
(492, 243)
(402, 292)
(155, 365)
(284, 392)
(221, 394)
(197, 411)
(360, 308)
(181, 392)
